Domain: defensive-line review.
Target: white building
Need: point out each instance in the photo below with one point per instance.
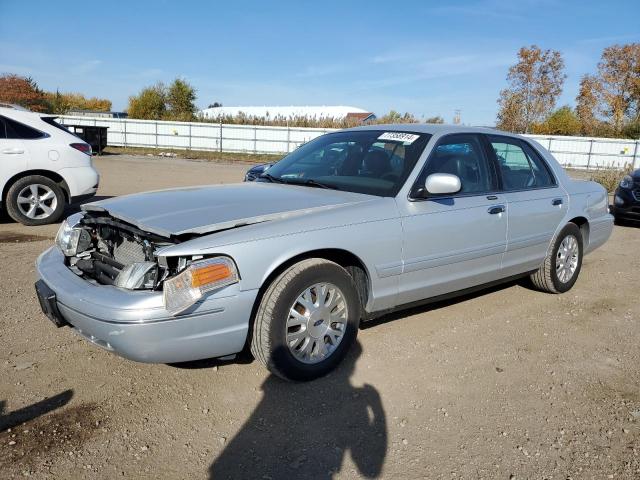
(338, 112)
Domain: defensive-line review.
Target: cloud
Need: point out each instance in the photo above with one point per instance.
(86, 67)
(324, 70)
(610, 39)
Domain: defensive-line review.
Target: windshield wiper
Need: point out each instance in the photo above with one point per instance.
(313, 183)
(271, 178)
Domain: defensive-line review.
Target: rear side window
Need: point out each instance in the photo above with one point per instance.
(521, 168)
(3, 129)
(52, 121)
(19, 130)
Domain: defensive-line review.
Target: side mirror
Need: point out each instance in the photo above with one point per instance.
(442, 183)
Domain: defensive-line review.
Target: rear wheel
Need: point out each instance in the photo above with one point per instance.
(35, 200)
(307, 320)
(562, 265)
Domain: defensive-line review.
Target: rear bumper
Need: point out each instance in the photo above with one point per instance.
(135, 324)
(81, 180)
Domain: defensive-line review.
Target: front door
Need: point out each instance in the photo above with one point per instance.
(13, 154)
(453, 242)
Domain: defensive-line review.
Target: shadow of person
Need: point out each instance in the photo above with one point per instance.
(304, 430)
(33, 411)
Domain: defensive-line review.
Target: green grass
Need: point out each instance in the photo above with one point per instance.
(223, 157)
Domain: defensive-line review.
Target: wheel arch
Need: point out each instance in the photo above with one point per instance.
(56, 177)
(346, 259)
(583, 225)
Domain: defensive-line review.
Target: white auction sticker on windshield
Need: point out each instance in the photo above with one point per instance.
(406, 138)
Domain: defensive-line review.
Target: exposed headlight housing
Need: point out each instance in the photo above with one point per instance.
(186, 288)
(626, 182)
(71, 239)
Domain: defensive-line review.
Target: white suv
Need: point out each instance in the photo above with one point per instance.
(43, 166)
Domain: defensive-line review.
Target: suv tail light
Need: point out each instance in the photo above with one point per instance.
(83, 147)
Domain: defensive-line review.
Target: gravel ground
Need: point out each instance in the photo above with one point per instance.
(508, 383)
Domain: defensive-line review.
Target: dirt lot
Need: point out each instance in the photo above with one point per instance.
(509, 383)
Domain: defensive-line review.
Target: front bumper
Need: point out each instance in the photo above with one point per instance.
(625, 205)
(135, 324)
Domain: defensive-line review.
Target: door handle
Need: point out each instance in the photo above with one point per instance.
(12, 151)
(556, 201)
(496, 209)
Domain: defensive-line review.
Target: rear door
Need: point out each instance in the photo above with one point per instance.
(452, 242)
(14, 156)
(536, 204)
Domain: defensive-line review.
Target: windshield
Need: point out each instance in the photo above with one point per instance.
(375, 162)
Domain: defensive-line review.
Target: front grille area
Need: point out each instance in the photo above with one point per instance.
(129, 252)
(636, 194)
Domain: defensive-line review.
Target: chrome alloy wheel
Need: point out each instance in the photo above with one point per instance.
(567, 258)
(37, 201)
(317, 323)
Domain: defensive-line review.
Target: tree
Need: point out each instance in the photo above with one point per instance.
(535, 83)
(397, 117)
(22, 91)
(563, 121)
(180, 100)
(161, 103)
(587, 105)
(149, 104)
(214, 105)
(436, 119)
(619, 84)
(61, 103)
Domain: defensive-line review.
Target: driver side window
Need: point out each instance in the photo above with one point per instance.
(462, 155)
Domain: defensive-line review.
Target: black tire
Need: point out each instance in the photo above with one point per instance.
(546, 277)
(268, 343)
(12, 200)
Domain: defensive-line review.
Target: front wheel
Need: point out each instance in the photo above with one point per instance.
(307, 320)
(562, 265)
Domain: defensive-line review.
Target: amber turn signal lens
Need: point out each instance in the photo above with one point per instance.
(209, 274)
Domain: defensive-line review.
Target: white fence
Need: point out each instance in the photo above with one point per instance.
(577, 152)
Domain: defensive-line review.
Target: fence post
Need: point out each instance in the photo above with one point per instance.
(635, 153)
(189, 136)
(156, 124)
(255, 139)
(220, 135)
(288, 138)
(589, 155)
(124, 122)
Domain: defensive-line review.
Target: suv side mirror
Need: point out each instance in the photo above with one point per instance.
(442, 184)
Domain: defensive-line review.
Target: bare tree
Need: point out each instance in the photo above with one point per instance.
(535, 83)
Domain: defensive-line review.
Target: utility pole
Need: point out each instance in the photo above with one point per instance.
(456, 117)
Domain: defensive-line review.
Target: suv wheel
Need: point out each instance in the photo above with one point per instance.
(307, 320)
(562, 265)
(35, 200)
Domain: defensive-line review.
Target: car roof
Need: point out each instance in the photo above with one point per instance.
(431, 128)
(17, 112)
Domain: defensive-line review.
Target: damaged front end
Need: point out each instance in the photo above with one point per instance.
(107, 251)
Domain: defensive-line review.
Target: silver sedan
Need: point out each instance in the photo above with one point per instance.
(348, 227)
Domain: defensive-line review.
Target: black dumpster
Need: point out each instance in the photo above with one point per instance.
(94, 136)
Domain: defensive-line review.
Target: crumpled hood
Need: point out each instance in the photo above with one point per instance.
(208, 209)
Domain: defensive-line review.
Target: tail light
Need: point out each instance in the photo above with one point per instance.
(83, 147)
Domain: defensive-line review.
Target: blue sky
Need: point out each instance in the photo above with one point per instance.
(424, 57)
